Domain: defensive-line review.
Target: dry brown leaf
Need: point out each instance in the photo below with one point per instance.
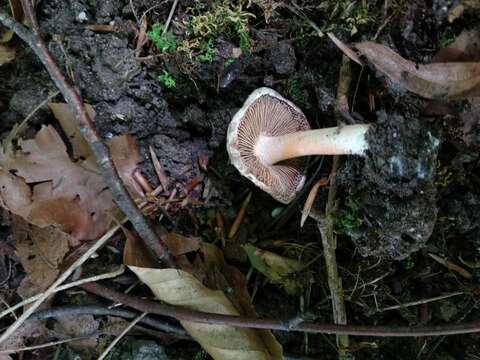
(126, 157)
(41, 250)
(31, 329)
(312, 195)
(434, 81)
(40, 182)
(466, 47)
(79, 325)
(7, 54)
(64, 193)
(64, 115)
(178, 287)
(179, 244)
(123, 149)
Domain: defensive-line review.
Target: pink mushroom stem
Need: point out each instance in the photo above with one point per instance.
(344, 140)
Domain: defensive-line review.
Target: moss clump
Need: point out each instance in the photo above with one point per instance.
(167, 80)
(166, 43)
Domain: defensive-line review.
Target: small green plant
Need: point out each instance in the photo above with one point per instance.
(229, 62)
(208, 52)
(166, 43)
(408, 263)
(349, 218)
(444, 176)
(167, 80)
(296, 93)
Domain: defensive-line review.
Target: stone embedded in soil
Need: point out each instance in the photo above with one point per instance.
(394, 186)
(283, 58)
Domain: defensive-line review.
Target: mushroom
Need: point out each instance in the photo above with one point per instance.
(268, 134)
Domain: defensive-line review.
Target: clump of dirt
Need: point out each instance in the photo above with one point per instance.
(395, 188)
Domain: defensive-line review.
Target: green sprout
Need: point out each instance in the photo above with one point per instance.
(167, 80)
(229, 62)
(166, 43)
(348, 218)
(208, 52)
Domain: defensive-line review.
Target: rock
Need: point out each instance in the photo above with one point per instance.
(283, 58)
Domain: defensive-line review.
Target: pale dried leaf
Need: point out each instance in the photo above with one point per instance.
(345, 49)
(7, 54)
(177, 287)
(433, 81)
(275, 267)
(40, 250)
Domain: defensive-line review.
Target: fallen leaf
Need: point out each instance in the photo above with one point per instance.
(123, 149)
(312, 195)
(63, 193)
(40, 182)
(462, 6)
(40, 250)
(126, 157)
(466, 47)
(30, 329)
(448, 80)
(179, 244)
(275, 267)
(178, 287)
(76, 326)
(7, 54)
(64, 115)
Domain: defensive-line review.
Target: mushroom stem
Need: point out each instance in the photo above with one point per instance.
(344, 140)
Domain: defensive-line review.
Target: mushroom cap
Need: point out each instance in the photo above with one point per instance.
(266, 112)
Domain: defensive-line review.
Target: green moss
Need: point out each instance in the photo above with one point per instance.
(208, 23)
(166, 43)
(208, 52)
(297, 93)
(348, 218)
(167, 80)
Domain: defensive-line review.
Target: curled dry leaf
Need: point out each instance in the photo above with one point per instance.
(178, 287)
(450, 80)
(275, 267)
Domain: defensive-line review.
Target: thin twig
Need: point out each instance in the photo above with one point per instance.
(170, 16)
(325, 225)
(420, 302)
(109, 275)
(104, 311)
(28, 312)
(52, 343)
(179, 313)
(88, 130)
(120, 336)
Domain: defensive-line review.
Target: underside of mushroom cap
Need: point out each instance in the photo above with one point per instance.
(266, 112)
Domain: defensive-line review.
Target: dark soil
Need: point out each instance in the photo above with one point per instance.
(417, 191)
